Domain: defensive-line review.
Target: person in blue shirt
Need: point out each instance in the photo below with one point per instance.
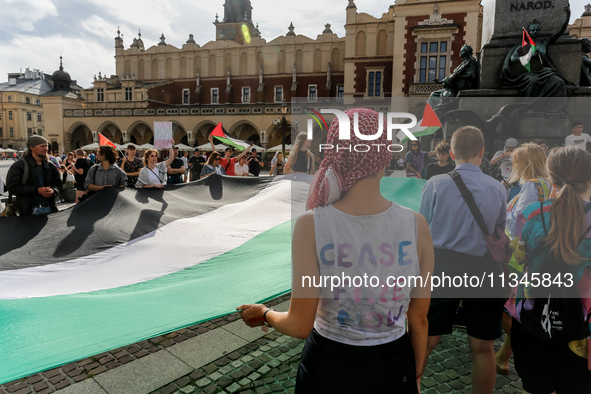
(460, 249)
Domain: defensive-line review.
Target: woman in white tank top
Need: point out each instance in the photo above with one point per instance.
(368, 333)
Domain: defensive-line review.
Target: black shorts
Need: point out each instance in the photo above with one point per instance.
(328, 366)
(548, 367)
(483, 313)
(482, 316)
(80, 187)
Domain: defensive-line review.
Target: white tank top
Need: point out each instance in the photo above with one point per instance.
(380, 246)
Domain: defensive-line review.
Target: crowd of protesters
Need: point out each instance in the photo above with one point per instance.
(530, 217)
(82, 174)
(350, 348)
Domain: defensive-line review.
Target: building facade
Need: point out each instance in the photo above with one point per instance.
(241, 80)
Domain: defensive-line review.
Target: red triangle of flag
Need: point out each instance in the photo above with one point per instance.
(430, 118)
(218, 131)
(105, 141)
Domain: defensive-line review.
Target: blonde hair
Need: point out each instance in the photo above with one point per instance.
(569, 167)
(529, 162)
(296, 147)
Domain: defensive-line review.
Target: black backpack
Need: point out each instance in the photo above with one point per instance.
(554, 313)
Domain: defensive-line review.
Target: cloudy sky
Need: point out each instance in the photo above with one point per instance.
(33, 33)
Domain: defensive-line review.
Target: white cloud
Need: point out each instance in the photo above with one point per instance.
(99, 27)
(82, 58)
(22, 14)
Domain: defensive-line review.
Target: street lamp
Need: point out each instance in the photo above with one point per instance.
(284, 109)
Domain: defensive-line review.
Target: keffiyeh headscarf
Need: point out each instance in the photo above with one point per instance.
(341, 169)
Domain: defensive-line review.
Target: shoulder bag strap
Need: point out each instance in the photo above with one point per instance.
(157, 176)
(457, 178)
(228, 166)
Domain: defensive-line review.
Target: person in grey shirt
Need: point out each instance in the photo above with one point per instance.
(461, 249)
(105, 173)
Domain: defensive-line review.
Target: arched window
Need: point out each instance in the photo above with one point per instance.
(243, 64)
(317, 60)
(196, 65)
(168, 69)
(335, 61)
(183, 71)
(382, 42)
(299, 61)
(281, 63)
(140, 69)
(154, 72)
(212, 66)
(228, 63)
(360, 45)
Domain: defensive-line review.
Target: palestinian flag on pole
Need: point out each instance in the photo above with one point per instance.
(105, 141)
(225, 138)
(123, 266)
(427, 126)
(527, 50)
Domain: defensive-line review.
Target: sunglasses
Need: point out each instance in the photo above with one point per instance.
(414, 145)
(153, 156)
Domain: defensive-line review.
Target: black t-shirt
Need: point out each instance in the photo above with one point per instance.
(436, 169)
(197, 163)
(175, 178)
(84, 165)
(253, 167)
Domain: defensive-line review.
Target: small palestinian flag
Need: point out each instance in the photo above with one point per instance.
(527, 50)
(105, 141)
(225, 138)
(427, 126)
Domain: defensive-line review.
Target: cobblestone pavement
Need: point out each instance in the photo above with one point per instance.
(268, 364)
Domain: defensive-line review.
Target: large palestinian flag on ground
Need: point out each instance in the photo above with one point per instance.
(127, 265)
(225, 138)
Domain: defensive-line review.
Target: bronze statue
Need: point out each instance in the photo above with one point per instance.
(464, 77)
(586, 66)
(542, 80)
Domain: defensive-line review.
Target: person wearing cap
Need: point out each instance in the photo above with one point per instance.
(503, 158)
(255, 163)
(42, 182)
(176, 169)
(196, 165)
(228, 162)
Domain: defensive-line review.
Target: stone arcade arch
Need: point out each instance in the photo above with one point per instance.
(111, 131)
(202, 131)
(140, 133)
(79, 135)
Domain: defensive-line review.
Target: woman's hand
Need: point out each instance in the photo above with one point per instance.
(252, 314)
(160, 186)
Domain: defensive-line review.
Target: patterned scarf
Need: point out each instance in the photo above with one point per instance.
(340, 170)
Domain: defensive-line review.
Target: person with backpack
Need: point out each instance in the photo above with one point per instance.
(33, 180)
(106, 173)
(550, 331)
(529, 171)
(462, 209)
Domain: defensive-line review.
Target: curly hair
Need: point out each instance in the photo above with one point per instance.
(108, 152)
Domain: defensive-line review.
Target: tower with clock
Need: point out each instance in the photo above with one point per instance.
(237, 23)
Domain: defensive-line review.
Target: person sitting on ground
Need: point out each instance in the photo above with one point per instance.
(42, 183)
(461, 249)
(154, 175)
(348, 332)
(212, 166)
(176, 169)
(241, 168)
(228, 162)
(444, 164)
(277, 164)
(301, 160)
(416, 160)
(131, 165)
(529, 170)
(550, 355)
(105, 173)
(196, 165)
